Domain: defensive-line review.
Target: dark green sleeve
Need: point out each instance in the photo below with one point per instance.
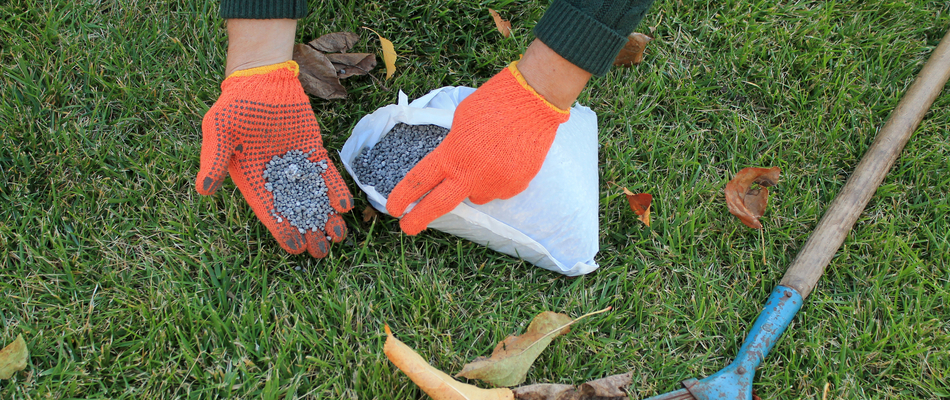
(263, 9)
(590, 34)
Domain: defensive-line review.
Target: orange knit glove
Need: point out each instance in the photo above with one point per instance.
(500, 136)
(263, 112)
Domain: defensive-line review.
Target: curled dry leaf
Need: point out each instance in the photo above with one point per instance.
(369, 213)
(632, 52)
(349, 64)
(747, 202)
(610, 388)
(640, 204)
(545, 391)
(511, 359)
(317, 75)
(321, 68)
(389, 54)
(503, 26)
(435, 383)
(13, 358)
(336, 42)
(613, 387)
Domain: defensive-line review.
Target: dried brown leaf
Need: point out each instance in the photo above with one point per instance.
(349, 64)
(640, 204)
(317, 74)
(545, 391)
(610, 388)
(503, 26)
(613, 387)
(745, 201)
(435, 383)
(632, 52)
(369, 213)
(13, 358)
(336, 42)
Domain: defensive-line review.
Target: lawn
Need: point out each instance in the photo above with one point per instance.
(127, 284)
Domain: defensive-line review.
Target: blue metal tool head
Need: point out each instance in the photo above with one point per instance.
(735, 381)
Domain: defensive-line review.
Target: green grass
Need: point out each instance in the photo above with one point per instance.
(127, 284)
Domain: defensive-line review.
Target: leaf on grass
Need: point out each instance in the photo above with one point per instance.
(321, 68)
(317, 74)
(349, 64)
(336, 42)
(613, 387)
(389, 54)
(640, 204)
(369, 213)
(748, 202)
(503, 26)
(632, 52)
(610, 388)
(545, 391)
(437, 384)
(13, 358)
(511, 359)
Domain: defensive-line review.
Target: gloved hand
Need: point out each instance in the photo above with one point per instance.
(500, 136)
(263, 112)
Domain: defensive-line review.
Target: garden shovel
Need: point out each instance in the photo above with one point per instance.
(735, 381)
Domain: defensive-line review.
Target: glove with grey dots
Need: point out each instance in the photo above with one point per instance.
(262, 132)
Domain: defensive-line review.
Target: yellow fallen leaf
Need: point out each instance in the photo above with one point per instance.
(503, 26)
(435, 383)
(389, 54)
(13, 358)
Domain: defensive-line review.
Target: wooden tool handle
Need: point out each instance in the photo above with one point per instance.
(803, 273)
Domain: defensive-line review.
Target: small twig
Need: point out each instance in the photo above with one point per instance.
(92, 300)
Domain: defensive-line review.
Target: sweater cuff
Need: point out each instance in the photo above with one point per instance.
(263, 9)
(579, 38)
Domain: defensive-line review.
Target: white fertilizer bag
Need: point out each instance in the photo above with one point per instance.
(552, 224)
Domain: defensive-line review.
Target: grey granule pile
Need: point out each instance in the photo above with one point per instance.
(386, 163)
(300, 193)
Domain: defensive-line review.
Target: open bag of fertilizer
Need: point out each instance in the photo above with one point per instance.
(552, 224)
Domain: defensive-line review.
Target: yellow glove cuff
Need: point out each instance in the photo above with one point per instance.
(290, 65)
(513, 68)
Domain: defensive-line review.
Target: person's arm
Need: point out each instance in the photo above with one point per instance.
(260, 32)
(552, 76)
(259, 42)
